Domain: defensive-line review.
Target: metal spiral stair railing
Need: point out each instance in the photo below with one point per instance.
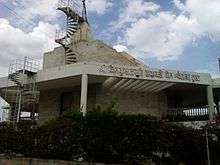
(22, 74)
(15, 77)
(73, 21)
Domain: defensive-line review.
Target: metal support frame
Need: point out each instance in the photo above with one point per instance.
(22, 73)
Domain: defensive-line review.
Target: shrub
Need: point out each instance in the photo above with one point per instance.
(106, 136)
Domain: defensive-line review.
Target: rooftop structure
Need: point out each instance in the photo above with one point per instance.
(84, 72)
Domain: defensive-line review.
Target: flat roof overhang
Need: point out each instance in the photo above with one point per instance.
(141, 73)
(114, 77)
(216, 83)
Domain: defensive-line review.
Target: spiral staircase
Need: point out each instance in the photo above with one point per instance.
(23, 95)
(69, 8)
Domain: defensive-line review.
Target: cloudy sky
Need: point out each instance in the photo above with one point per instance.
(175, 34)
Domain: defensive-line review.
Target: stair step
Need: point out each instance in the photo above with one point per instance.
(73, 23)
(68, 35)
(71, 58)
(72, 27)
(71, 31)
(68, 11)
(74, 60)
(69, 51)
(71, 55)
(71, 62)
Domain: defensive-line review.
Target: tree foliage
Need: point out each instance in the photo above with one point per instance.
(104, 135)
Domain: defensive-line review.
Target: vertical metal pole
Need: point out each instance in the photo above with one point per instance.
(84, 14)
(1, 115)
(219, 63)
(19, 106)
(207, 146)
(24, 65)
(9, 72)
(20, 94)
(35, 96)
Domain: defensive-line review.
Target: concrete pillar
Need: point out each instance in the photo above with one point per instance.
(210, 100)
(84, 91)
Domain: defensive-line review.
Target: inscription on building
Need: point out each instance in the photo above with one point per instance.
(149, 73)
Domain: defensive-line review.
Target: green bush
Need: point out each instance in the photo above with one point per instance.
(104, 135)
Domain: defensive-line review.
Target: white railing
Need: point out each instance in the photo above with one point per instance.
(192, 114)
(60, 34)
(75, 5)
(197, 113)
(61, 38)
(27, 64)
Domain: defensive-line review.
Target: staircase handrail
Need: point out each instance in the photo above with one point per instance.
(72, 4)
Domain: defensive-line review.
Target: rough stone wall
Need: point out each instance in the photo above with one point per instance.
(50, 101)
(151, 104)
(49, 105)
(148, 104)
(82, 34)
(97, 51)
(54, 58)
(92, 51)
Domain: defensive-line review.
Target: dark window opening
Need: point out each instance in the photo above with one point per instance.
(69, 100)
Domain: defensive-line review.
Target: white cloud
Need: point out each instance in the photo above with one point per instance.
(207, 14)
(15, 43)
(179, 5)
(98, 6)
(120, 48)
(43, 9)
(133, 10)
(210, 68)
(46, 10)
(164, 35)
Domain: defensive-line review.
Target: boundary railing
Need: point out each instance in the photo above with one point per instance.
(188, 114)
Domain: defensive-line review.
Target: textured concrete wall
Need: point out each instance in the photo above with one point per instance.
(54, 58)
(49, 105)
(97, 51)
(93, 51)
(82, 34)
(50, 101)
(151, 104)
(148, 104)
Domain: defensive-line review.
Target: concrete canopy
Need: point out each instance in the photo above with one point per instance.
(118, 78)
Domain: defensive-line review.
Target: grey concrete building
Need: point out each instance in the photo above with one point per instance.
(84, 73)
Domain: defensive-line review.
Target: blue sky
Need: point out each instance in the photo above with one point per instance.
(174, 34)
